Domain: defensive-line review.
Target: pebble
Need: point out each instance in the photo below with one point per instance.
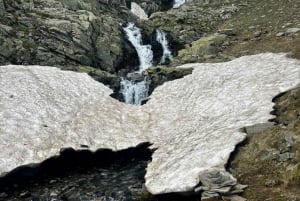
(24, 194)
(257, 34)
(52, 181)
(53, 194)
(280, 34)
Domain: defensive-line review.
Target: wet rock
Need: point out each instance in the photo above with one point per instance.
(66, 34)
(71, 195)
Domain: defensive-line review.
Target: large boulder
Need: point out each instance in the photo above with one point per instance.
(194, 122)
(206, 49)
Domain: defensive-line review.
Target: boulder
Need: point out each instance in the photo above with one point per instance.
(194, 122)
(205, 49)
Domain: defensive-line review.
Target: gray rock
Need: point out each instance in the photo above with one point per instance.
(292, 31)
(280, 34)
(53, 194)
(3, 195)
(25, 194)
(66, 33)
(257, 34)
(228, 32)
(71, 195)
(285, 157)
(2, 8)
(258, 128)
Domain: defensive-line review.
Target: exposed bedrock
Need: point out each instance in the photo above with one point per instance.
(194, 122)
(65, 33)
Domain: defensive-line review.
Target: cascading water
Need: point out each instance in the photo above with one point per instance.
(135, 92)
(144, 52)
(178, 3)
(135, 86)
(161, 37)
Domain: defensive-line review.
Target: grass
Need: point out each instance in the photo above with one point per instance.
(270, 17)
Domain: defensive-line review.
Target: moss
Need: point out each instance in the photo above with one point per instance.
(28, 44)
(269, 18)
(204, 49)
(85, 69)
(254, 164)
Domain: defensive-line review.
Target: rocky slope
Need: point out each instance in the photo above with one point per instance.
(85, 36)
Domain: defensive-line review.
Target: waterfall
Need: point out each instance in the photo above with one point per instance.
(136, 91)
(178, 3)
(135, 86)
(144, 52)
(161, 37)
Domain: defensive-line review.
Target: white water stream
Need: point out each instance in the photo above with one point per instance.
(144, 52)
(161, 37)
(135, 91)
(178, 3)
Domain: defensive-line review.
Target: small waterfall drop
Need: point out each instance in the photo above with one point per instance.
(178, 3)
(161, 37)
(144, 52)
(135, 86)
(135, 91)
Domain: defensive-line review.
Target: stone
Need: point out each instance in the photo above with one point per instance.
(292, 31)
(285, 157)
(25, 194)
(138, 11)
(280, 34)
(228, 32)
(193, 123)
(257, 34)
(258, 128)
(53, 194)
(205, 49)
(3, 195)
(71, 195)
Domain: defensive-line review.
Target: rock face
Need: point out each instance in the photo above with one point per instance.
(194, 122)
(65, 33)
